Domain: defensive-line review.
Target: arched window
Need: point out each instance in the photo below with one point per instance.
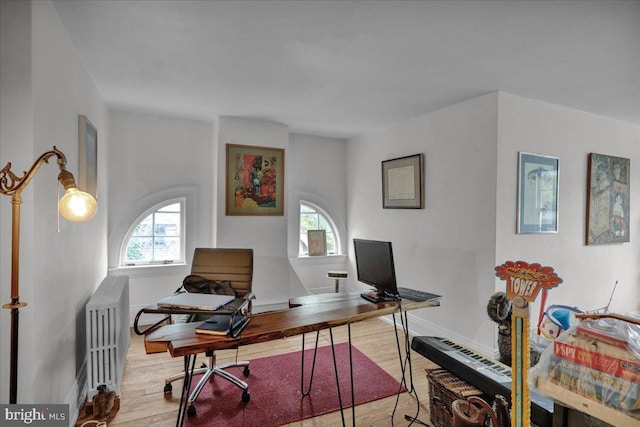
(157, 237)
(314, 218)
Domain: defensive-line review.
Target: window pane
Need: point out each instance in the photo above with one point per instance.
(140, 249)
(331, 244)
(166, 248)
(312, 219)
(144, 228)
(171, 208)
(157, 238)
(167, 224)
(308, 221)
(172, 230)
(323, 224)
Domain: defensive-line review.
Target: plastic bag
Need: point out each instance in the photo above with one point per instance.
(597, 359)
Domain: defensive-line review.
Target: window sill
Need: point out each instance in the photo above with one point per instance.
(149, 270)
(319, 259)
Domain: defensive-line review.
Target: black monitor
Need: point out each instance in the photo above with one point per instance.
(374, 264)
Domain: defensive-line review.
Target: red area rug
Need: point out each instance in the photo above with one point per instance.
(274, 384)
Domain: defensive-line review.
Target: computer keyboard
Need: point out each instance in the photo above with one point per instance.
(415, 295)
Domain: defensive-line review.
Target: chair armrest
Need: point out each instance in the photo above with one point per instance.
(137, 330)
(248, 297)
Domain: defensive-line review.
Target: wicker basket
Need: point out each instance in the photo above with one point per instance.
(444, 388)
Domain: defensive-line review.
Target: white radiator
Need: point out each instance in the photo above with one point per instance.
(107, 335)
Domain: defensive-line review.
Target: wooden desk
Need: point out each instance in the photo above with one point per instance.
(306, 314)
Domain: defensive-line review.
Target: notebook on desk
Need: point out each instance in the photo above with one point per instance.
(223, 324)
(195, 301)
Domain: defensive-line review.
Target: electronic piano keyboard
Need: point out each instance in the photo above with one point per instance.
(489, 376)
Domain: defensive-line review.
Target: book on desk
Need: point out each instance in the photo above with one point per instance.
(223, 324)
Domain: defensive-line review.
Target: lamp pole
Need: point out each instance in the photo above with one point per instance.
(12, 185)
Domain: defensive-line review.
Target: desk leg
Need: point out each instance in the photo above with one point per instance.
(404, 321)
(313, 366)
(406, 365)
(353, 393)
(335, 367)
(186, 386)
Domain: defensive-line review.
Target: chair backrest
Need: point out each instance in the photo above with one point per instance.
(234, 265)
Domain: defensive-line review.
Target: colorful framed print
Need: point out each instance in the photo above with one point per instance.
(402, 182)
(537, 193)
(254, 180)
(608, 200)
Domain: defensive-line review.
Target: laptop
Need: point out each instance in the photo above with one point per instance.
(193, 301)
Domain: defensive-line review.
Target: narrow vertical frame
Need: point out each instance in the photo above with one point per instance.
(87, 156)
(538, 180)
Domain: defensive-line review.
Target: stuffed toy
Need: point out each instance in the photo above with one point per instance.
(499, 310)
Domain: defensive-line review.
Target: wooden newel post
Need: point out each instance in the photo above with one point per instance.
(520, 363)
(524, 281)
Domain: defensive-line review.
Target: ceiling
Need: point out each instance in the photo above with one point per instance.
(345, 68)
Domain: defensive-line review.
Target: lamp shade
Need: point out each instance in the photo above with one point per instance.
(77, 205)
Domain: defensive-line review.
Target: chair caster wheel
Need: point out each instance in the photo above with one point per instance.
(246, 371)
(168, 388)
(191, 411)
(246, 396)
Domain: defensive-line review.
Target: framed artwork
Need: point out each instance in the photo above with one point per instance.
(317, 240)
(402, 182)
(254, 180)
(537, 193)
(608, 200)
(87, 157)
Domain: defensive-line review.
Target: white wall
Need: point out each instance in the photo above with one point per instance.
(274, 281)
(16, 145)
(43, 91)
(451, 247)
(152, 159)
(317, 168)
(468, 226)
(448, 247)
(588, 272)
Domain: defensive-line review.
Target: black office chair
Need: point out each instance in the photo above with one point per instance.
(236, 267)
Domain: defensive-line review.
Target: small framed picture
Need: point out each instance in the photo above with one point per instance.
(402, 183)
(537, 193)
(87, 156)
(317, 240)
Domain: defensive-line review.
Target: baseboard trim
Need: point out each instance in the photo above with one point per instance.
(77, 394)
(420, 327)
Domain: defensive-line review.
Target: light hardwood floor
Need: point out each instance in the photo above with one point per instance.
(144, 404)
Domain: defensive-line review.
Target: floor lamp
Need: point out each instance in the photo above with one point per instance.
(75, 205)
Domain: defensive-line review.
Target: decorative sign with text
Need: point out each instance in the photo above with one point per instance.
(526, 280)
